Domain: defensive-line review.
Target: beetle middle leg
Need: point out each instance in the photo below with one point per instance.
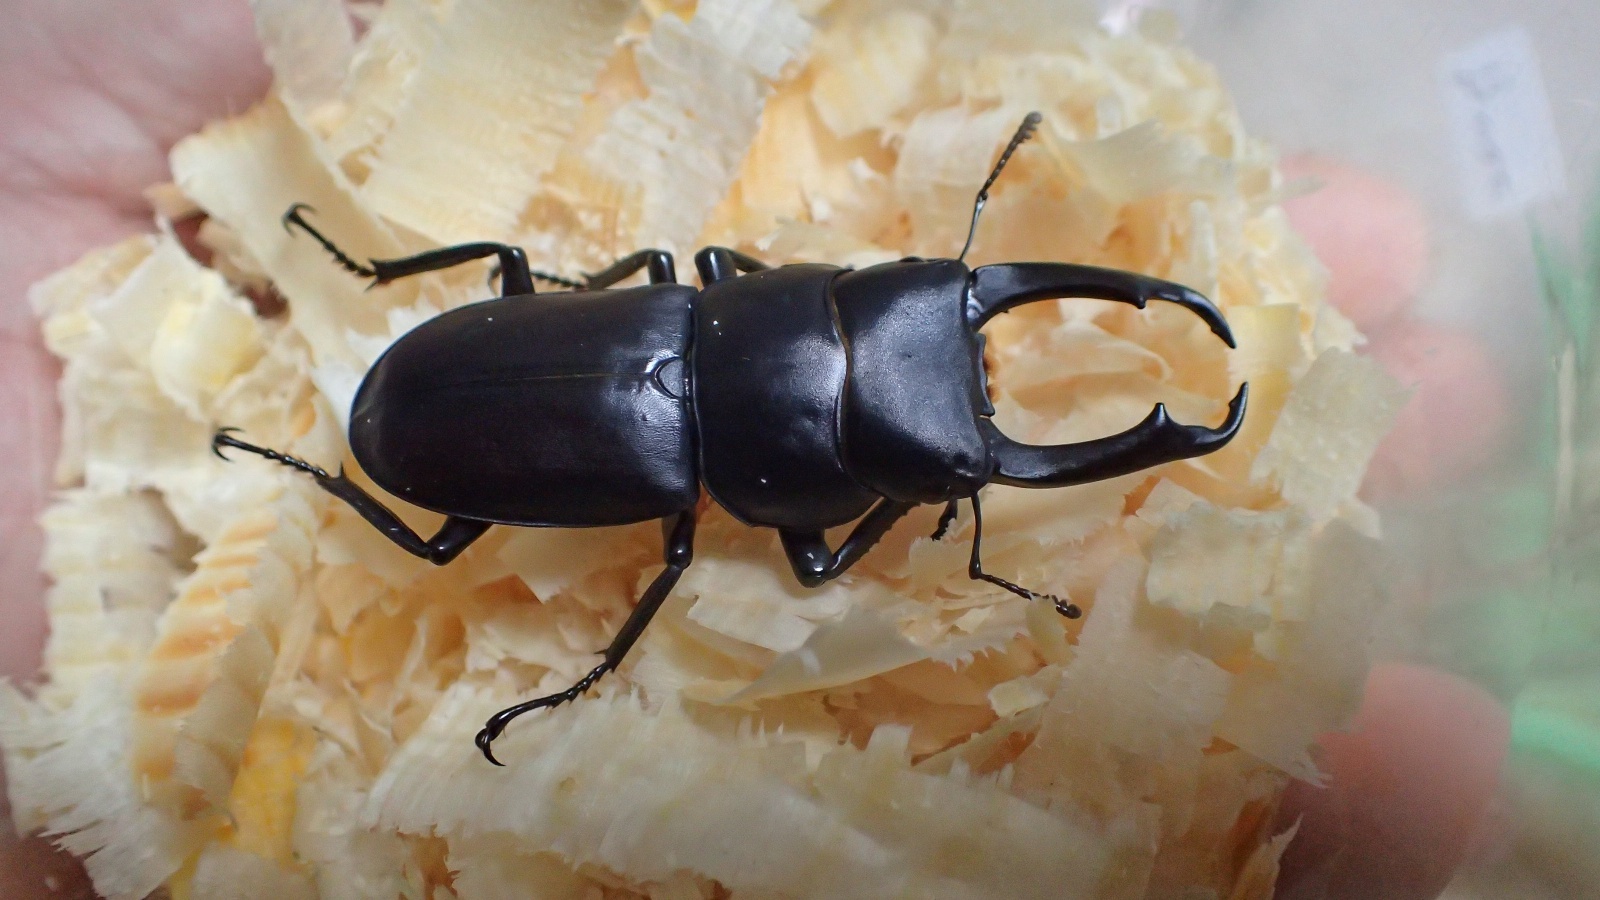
(454, 536)
(679, 534)
(659, 262)
(517, 278)
(716, 263)
(814, 563)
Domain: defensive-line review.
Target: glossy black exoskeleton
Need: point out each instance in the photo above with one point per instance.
(802, 398)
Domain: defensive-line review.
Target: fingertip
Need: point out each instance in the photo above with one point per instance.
(1457, 418)
(1408, 788)
(1371, 233)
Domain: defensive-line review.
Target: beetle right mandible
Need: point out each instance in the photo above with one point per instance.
(803, 398)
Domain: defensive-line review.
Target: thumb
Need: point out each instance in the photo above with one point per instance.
(1408, 788)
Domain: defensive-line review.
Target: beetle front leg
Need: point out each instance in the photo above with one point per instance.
(814, 563)
(679, 534)
(454, 536)
(976, 573)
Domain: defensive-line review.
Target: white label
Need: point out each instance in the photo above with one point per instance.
(1506, 145)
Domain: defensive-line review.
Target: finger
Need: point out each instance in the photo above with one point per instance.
(1408, 787)
(1458, 415)
(1372, 235)
(32, 869)
(28, 449)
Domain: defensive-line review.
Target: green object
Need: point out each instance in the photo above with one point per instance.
(1557, 715)
(1560, 721)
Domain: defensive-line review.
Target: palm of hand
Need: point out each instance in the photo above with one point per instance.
(92, 95)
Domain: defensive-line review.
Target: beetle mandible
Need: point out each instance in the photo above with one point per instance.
(802, 398)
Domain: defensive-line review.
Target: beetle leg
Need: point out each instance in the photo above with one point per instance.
(716, 263)
(814, 563)
(454, 536)
(975, 570)
(659, 262)
(945, 518)
(679, 534)
(517, 278)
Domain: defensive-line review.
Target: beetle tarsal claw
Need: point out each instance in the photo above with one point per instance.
(292, 217)
(1065, 607)
(497, 723)
(224, 438)
(483, 740)
(220, 440)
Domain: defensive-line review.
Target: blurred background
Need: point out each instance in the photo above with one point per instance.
(1456, 147)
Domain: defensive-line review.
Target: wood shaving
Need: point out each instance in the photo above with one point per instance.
(251, 693)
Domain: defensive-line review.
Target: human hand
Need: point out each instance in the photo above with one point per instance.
(1410, 785)
(1408, 793)
(92, 95)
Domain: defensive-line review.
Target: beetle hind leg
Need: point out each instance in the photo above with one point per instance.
(454, 536)
(516, 277)
(679, 534)
(976, 573)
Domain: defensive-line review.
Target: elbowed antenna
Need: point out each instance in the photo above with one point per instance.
(1030, 122)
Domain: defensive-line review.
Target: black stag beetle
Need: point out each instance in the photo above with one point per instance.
(802, 397)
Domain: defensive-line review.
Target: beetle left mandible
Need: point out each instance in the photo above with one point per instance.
(802, 398)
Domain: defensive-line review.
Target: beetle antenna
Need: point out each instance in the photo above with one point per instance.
(1024, 131)
(293, 217)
